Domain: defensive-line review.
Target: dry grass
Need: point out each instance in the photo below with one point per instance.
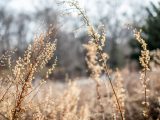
(106, 95)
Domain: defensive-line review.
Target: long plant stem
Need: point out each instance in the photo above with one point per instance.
(114, 92)
(100, 53)
(145, 91)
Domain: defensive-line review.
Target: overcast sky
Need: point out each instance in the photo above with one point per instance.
(96, 9)
(27, 5)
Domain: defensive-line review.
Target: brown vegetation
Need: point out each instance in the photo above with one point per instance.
(106, 95)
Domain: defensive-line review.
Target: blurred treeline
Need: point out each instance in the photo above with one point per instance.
(17, 30)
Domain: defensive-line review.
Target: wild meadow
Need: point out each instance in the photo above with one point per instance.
(28, 92)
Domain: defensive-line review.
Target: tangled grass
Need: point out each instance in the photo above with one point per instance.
(105, 96)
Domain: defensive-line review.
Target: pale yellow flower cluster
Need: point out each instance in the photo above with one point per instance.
(50, 70)
(92, 58)
(145, 57)
(95, 55)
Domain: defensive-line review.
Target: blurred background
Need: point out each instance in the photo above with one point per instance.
(21, 20)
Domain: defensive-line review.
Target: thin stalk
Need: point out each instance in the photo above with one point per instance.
(145, 91)
(117, 100)
(145, 94)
